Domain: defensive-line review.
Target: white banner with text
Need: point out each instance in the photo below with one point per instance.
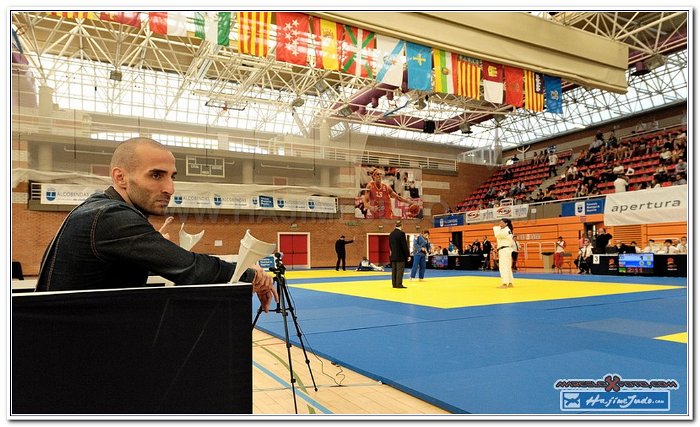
(665, 204)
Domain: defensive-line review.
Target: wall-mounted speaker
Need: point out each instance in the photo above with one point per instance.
(429, 126)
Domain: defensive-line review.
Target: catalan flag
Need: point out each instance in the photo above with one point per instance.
(467, 76)
(75, 15)
(254, 33)
(443, 71)
(534, 91)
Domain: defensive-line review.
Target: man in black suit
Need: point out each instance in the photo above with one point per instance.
(601, 241)
(486, 252)
(398, 255)
(340, 251)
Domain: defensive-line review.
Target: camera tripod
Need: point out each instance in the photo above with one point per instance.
(284, 306)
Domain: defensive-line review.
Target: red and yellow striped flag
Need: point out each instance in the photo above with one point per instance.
(75, 15)
(534, 91)
(467, 75)
(254, 33)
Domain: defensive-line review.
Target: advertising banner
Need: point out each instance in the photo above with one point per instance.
(666, 204)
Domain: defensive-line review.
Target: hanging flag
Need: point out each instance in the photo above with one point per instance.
(552, 90)
(514, 86)
(356, 48)
(420, 66)
(467, 77)
(292, 37)
(325, 36)
(389, 64)
(75, 15)
(127, 18)
(493, 82)
(534, 91)
(443, 71)
(168, 23)
(254, 33)
(214, 27)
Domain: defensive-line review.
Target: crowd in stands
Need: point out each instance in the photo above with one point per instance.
(645, 159)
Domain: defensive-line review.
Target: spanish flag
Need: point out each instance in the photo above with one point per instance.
(325, 36)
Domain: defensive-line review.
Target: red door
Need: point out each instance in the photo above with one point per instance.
(378, 248)
(295, 248)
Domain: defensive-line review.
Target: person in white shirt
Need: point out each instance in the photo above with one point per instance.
(650, 247)
(559, 249)
(667, 248)
(683, 246)
(366, 265)
(553, 160)
(585, 257)
(621, 184)
(504, 246)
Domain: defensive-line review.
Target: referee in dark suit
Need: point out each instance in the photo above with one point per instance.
(399, 254)
(340, 251)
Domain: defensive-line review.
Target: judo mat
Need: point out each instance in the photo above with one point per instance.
(460, 343)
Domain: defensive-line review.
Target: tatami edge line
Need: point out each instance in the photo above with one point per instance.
(298, 392)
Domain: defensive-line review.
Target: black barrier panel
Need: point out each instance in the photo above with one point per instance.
(171, 350)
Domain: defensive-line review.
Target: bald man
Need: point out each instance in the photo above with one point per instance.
(107, 241)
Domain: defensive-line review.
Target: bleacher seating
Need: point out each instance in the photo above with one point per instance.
(529, 173)
(532, 174)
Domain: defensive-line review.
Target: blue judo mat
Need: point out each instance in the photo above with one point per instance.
(512, 358)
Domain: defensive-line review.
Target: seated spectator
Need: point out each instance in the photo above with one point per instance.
(623, 248)
(661, 174)
(667, 248)
(651, 184)
(581, 191)
(635, 249)
(665, 158)
(612, 140)
(572, 173)
(650, 247)
(365, 265)
(682, 246)
(680, 179)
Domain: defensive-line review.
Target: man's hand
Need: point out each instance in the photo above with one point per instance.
(262, 286)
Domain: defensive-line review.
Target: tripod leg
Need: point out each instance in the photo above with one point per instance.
(298, 329)
(292, 380)
(260, 310)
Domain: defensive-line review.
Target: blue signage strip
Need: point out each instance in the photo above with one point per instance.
(451, 220)
(583, 207)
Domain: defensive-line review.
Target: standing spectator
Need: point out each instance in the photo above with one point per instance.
(621, 183)
(553, 161)
(486, 248)
(340, 251)
(559, 249)
(398, 255)
(421, 248)
(504, 243)
(601, 241)
(514, 254)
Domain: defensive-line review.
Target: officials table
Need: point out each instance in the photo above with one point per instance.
(154, 350)
(674, 265)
